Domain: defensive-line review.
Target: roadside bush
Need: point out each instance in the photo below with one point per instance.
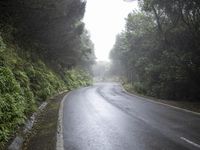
(44, 82)
(25, 83)
(76, 78)
(2, 45)
(12, 103)
(139, 87)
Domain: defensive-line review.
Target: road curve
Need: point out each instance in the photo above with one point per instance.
(103, 117)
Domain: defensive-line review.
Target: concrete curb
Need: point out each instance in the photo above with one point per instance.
(18, 141)
(160, 103)
(59, 141)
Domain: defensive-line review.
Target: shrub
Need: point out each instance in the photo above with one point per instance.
(2, 45)
(12, 103)
(24, 83)
(76, 78)
(139, 87)
(43, 82)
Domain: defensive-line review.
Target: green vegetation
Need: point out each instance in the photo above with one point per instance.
(26, 83)
(158, 53)
(44, 49)
(76, 77)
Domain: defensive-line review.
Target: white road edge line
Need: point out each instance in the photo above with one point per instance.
(190, 142)
(160, 103)
(59, 140)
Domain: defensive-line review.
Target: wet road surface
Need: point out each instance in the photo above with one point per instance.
(104, 117)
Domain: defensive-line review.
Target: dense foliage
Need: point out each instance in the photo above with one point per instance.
(159, 51)
(44, 49)
(25, 83)
(76, 77)
(53, 27)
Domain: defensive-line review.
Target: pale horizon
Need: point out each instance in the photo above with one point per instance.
(104, 19)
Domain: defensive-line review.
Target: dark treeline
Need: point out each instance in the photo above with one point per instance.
(44, 49)
(53, 28)
(159, 51)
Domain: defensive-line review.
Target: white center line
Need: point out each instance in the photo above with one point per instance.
(190, 142)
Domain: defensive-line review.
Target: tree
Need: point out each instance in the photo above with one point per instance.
(53, 28)
(159, 49)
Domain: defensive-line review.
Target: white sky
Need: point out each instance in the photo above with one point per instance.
(105, 19)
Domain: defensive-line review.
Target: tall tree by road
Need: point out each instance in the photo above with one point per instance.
(53, 26)
(159, 51)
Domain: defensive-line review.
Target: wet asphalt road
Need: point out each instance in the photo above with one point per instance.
(104, 117)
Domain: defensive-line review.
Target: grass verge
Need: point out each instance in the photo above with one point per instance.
(188, 105)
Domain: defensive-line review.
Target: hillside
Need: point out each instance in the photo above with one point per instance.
(44, 49)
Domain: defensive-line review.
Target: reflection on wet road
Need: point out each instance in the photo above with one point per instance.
(104, 117)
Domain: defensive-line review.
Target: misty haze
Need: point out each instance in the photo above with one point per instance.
(100, 75)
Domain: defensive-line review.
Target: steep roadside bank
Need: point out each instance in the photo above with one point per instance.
(25, 82)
